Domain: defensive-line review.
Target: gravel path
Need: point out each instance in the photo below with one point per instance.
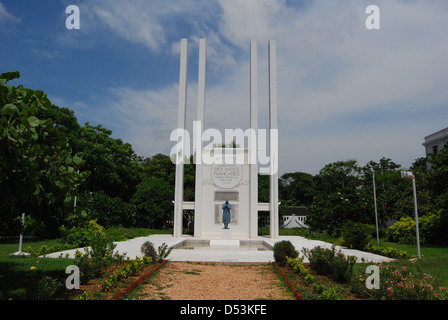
(194, 281)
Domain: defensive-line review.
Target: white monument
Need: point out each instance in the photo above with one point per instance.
(230, 173)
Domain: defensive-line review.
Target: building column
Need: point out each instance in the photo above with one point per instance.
(198, 130)
(273, 140)
(180, 152)
(253, 147)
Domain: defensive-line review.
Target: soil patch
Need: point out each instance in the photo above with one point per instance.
(195, 281)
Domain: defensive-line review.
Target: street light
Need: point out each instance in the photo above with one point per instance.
(410, 175)
(376, 210)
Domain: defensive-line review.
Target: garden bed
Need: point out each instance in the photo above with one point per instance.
(93, 289)
(314, 290)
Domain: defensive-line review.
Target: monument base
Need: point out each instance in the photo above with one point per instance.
(225, 243)
(225, 234)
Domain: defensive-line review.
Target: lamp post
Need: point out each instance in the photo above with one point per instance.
(21, 233)
(376, 210)
(410, 175)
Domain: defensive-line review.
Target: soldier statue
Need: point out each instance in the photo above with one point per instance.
(226, 214)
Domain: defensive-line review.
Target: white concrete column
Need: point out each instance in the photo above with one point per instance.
(198, 140)
(253, 148)
(179, 183)
(273, 139)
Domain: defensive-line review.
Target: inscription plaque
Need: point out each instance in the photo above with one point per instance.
(227, 195)
(226, 176)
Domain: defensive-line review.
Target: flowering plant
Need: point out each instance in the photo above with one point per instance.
(403, 283)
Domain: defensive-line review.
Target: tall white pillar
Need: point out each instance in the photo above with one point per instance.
(179, 183)
(253, 148)
(273, 139)
(198, 139)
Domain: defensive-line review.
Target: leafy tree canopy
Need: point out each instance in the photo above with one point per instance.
(37, 165)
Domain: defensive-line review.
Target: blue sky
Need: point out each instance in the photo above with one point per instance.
(344, 92)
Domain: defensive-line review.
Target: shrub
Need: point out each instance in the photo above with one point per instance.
(319, 259)
(131, 268)
(102, 247)
(387, 252)
(43, 250)
(330, 263)
(83, 296)
(97, 257)
(356, 235)
(284, 249)
(47, 288)
(318, 288)
(404, 231)
(88, 268)
(298, 266)
(148, 250)
(329, 294)
(163, 252)
(82, 236)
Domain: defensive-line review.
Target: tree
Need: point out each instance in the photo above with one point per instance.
(339, 198)
(437, 177)
(298, 187)
(384, 171)
(160, 166)
(153, 200)
(113, 165)
(37, 166)
(108, 211)
(263, 188)
(331, 211)
(419, 164)
(388, 183)
(339, 175)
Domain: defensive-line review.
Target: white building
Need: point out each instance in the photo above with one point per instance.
(435, 142)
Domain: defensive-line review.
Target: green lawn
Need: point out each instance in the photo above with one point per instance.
(434, 260)
(17, 281)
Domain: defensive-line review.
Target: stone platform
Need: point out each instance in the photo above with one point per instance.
(216, 251)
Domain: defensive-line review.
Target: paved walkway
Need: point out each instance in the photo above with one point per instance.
(225, 251)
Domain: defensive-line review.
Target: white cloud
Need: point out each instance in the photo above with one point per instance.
(6, 17)
(333, 74)
(153, 23)
(244, 20)
(134, 21)
(331, 66)
(145, 118)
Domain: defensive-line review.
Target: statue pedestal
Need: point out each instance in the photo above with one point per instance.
(224, 243)
(225, 234)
